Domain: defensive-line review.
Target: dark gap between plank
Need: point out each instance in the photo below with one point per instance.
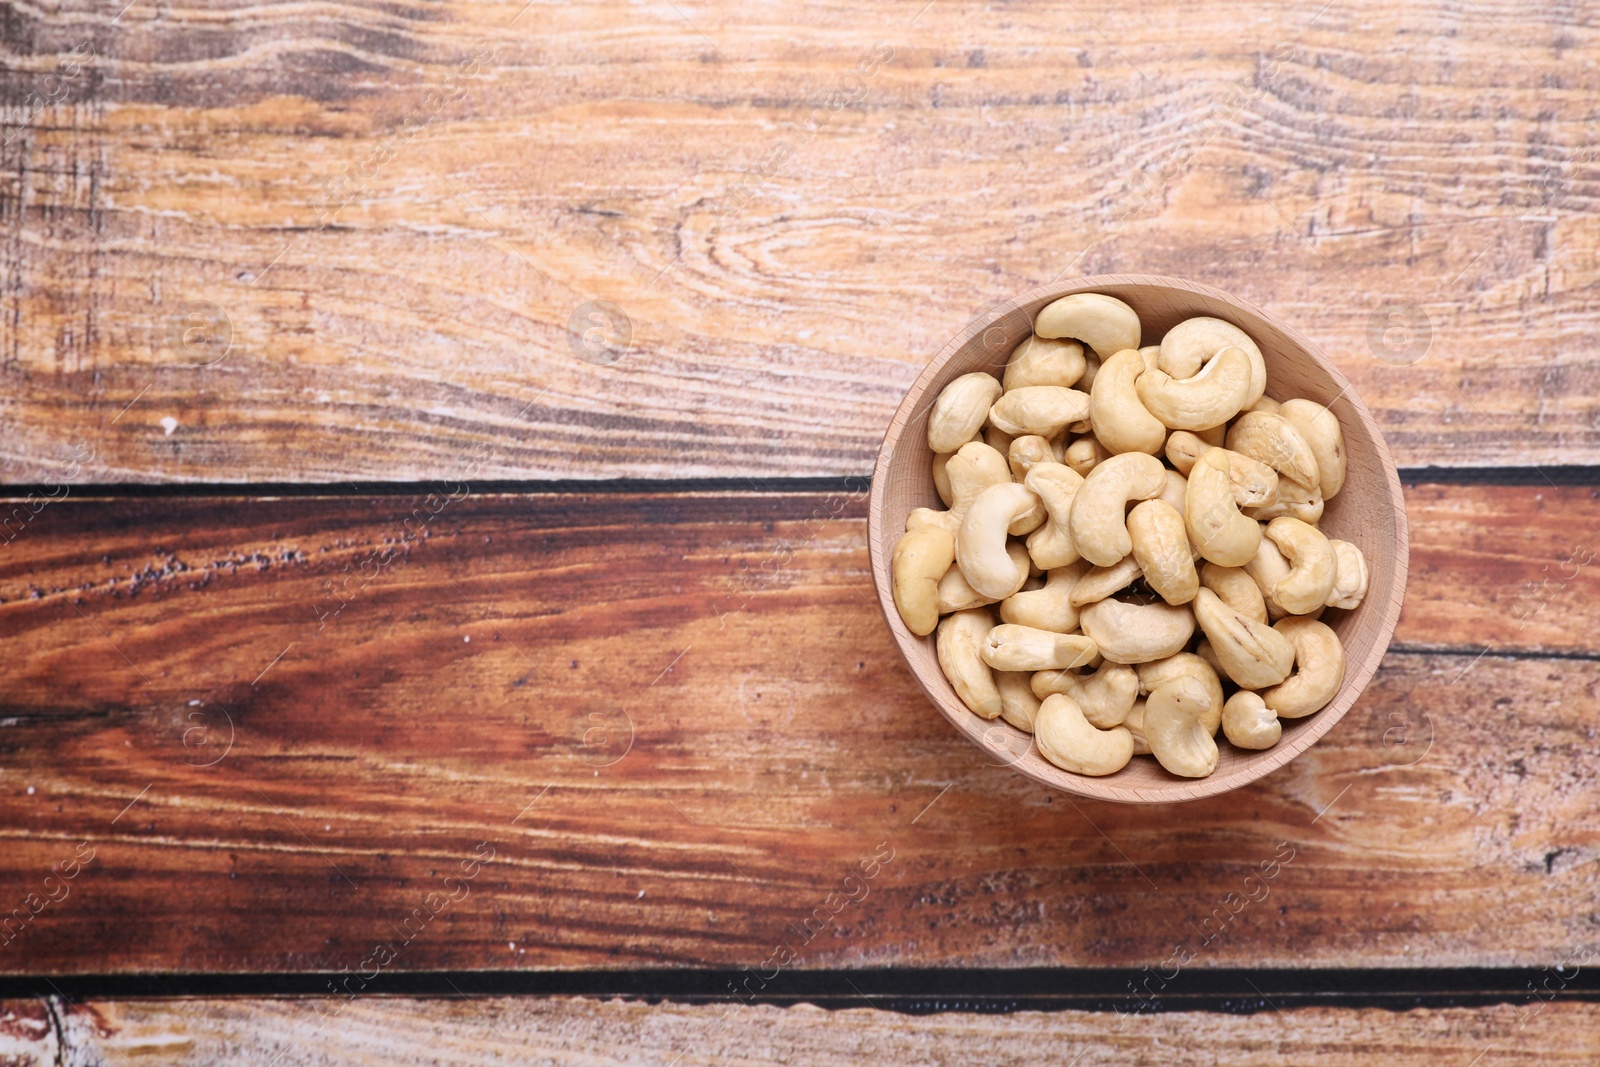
(923, 991)
(1490, 476)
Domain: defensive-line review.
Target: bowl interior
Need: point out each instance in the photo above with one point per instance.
(1369, 512)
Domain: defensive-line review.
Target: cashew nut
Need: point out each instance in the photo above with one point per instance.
(1320, 428)
(1309, 582)
(1235, 588)
(1134, 724)
(960, 649)
(1209, 398)
(1274, 441)
(956, 594)
(1264, 403)
(1319, 669)
(981, 539)
(1293, 499)
(1026, 451)
(959, 412)
(1085, 454)
(1161, 547)
(974, 468)
(1106, 696)
(1267, 568)
(1119, 417)
(1010, 647)
(1350, 583)
(1176, 492)
(1159, 672)
(1043, 361)
(1253, 654)
(1098, 527)
(1104, 323)
(1018, 705)
(997, 439)
(941, 477)
(1137, 633)
(1203, 649)
(920, 559)
(1038, 409)
(1175, 729)
(1193, 341)
(1048, 608)
(1101, 582)
(1217, 529)
(1253, 481)
(1067, 739)
(1248, 723)
(1091, 367)
(1056, 486)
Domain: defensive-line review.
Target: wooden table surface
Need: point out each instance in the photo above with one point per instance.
(435, 439)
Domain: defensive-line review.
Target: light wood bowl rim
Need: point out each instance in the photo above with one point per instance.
(1357, 675)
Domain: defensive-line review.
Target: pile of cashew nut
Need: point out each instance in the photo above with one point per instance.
(1139, 630)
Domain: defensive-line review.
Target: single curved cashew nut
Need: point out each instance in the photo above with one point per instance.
(941, 477)
(1118, 415)
(960, 649)
(1293, 499)
(1235, 588)
(1159, 672)
(920, 559)
(1043, 361)
(1309, 582)
(1048, 608)
(1028, 450)
(1267, 568)
(1187, 346)
(1137, 633)
(1209, 398)
(1183, 448)
(1161, 547)
(1099, 529)
(1106, 696)
(1253, 654)
(1038, 409)
(1010, 647)
(1101, 582)
(1320, 428)
(1319, 669)
(981, 539)
(956, 594)
(1085, 454)
(1056, 486)
(960, 411)
(1066, 738)
(1350, 583)
(1176, 492)
(1217, 528)
(1134, 724)
(1018, 705)
(1248, 723)
(1274, 441)
(1175, 729)
(1104, 323)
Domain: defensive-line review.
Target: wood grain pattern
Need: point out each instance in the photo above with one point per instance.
(393, 213)
(563, 1031)
(679, 723)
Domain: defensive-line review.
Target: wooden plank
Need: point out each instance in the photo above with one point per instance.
(664, 731)
(387, 227)
(575, 1031)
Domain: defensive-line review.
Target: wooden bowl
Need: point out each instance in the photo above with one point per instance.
(1369, 512)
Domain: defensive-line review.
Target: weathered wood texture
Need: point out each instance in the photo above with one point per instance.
(563, 1031)
(679, 724)
(395, 216)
